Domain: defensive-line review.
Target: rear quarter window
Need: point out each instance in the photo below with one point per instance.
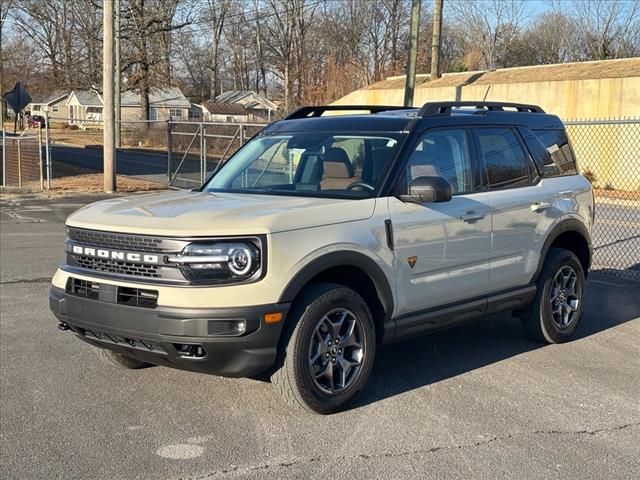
(561, 160)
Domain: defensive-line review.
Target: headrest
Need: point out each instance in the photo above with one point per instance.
(337, 164)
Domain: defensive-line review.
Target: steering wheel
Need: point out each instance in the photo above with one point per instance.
(361, 185)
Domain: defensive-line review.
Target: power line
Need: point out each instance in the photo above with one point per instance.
(207, 27)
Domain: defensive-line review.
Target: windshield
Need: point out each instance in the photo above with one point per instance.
(322, 164)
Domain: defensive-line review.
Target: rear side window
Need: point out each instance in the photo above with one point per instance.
(504, 160)
(562, 160)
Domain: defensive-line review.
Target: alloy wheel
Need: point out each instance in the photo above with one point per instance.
(565, 296)
(337, 351)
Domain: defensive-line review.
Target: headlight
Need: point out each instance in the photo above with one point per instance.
(220, 262)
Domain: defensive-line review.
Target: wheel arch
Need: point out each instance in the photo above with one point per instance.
(570, 234)
(351, 269)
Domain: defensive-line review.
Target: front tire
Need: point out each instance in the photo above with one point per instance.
(328, 350)
(556, 311)
(120, 360)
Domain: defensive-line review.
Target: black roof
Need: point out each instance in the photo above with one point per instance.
(397, 119)
(351, 123)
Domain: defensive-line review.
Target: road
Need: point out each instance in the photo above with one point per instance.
(479, 401)
(147, 165)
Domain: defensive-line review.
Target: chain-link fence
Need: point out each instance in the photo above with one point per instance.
(608, 154)
(196, 149)
(22, 164)
(76, 150)
(156, 155)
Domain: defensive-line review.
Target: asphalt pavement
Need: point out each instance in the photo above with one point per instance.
(147, 165)
(477, 401)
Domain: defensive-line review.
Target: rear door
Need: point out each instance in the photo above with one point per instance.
(522, 206)
(442, 250)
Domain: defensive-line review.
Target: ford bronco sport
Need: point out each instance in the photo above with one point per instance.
(326, 236)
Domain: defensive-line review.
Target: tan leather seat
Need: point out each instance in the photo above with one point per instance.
(338, 171)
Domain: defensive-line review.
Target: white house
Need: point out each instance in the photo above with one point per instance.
(84, 105)
(258, 106)
(225, 112)
(164, 103)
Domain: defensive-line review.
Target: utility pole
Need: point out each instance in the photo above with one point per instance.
(118, 93)
(410, 80)
(436, 39)
(107, 94)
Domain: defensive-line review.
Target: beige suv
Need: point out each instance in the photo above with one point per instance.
(326, 236)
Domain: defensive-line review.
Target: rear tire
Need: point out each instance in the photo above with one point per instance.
(120, 360)
(328, 349)
(556, 311)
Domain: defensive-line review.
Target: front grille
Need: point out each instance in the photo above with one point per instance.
(117, 267)
(117, 241)
(133, 297)
(83, 288)
(137, 297)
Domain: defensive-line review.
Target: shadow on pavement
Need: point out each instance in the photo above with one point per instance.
(422, 361)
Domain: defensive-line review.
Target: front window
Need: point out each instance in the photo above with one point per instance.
(443, 153)
(315, 164)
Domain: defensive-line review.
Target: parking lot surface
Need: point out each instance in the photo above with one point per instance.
(477, 401)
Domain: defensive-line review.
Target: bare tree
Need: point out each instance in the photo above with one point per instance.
(145, 25)
(488, 27)
(280, 38)
(608, 29)
(217, 11)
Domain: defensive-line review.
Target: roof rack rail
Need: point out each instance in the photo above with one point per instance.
(317, 111)
(444, 108)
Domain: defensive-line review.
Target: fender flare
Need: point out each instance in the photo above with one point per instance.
(342, 259)
(564, 226)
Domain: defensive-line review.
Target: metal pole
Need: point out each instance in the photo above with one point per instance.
(169, 152)
(410, 80)
(118, 93)
(203, 149)
(40, 158)
(19, 163)
(200, 153)
(4, 156)
(108, 105)
(47, 150)
(436, 39)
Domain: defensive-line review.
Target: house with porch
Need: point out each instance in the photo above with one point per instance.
(260, 108)
(225, 112)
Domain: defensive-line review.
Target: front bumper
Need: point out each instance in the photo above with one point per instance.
(157, 335)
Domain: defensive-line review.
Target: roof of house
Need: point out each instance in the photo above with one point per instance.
(50, 98)
(625, 67)
(225, 108)
(168, 97)
(87, 98)
(256, 101)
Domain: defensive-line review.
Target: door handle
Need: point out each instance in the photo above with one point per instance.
(471, 216)
(540, 206)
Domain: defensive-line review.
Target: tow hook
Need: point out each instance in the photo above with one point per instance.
(63, 326)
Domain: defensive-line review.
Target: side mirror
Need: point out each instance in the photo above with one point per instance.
(428, 189)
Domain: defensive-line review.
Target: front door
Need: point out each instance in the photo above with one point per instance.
(442, 250)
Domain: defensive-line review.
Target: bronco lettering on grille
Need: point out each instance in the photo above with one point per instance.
(115, 254)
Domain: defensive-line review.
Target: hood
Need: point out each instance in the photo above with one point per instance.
(187, 213)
